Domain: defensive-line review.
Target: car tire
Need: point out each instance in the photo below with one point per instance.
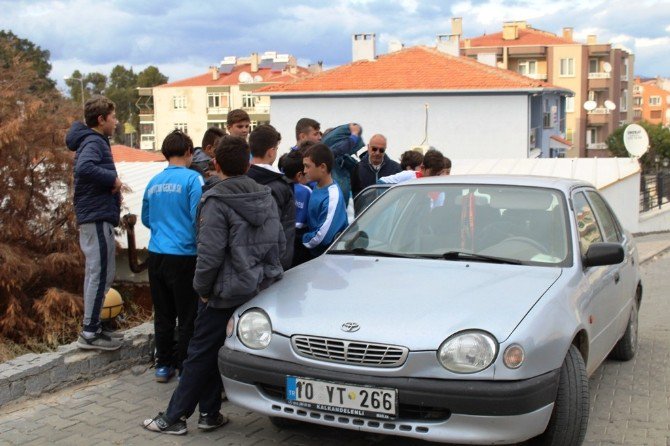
(625, 349)
(570, 417)
(283, 423)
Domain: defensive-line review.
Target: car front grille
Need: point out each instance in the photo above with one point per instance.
(349, 352)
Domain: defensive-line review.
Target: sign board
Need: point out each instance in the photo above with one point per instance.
(636, 140)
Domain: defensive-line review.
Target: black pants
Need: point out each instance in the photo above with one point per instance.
(171, 281)
(200, 381)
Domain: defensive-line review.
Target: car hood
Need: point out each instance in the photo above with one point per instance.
(409, 302)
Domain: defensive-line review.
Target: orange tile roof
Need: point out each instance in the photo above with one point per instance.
(415, 68)
(122, 153)
(527, 36)
(205, 80)
(561, 140)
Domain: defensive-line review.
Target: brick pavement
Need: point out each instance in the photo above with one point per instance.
(630, 401)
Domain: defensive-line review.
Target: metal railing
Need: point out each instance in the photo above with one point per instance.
(654, 191)
(599, 75)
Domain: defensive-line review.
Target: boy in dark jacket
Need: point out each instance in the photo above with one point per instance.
(240, 244)
(264, 143)
(97, 204)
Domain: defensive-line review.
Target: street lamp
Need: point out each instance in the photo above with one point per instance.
(81, 82)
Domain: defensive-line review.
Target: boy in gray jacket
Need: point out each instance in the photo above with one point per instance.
(240, 245)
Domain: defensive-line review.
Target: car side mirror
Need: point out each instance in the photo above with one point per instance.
(603, 253)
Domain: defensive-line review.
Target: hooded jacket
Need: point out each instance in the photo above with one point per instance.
(282, 192)
(94, 176)
(240, 242)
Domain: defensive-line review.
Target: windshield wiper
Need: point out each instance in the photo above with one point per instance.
(372, 252)
(464, 255)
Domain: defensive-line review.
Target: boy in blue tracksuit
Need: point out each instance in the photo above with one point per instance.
(169, 210)
(326, 212)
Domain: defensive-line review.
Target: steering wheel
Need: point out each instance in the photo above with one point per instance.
(496, 232)
(528, 241)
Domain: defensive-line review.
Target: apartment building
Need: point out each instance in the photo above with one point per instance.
(600, 75)
(651, 103)
(203, 101)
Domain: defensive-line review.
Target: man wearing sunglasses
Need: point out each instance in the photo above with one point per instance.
(374, 165)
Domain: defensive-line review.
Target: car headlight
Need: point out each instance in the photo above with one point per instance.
(254, 329)
(468, 352)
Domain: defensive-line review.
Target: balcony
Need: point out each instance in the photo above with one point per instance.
(600, 75)
(598, 116)
(596, 146)
(217, 110)
(624, 78)
(257, 110)
(537, 76)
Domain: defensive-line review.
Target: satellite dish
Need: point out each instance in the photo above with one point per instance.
(607, 67)
(245, 77)
(258, 78)
(636, 140)
(609, 105)
(590, 105)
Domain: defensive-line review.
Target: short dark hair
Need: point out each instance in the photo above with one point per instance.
(434, 161)
(291, 163)
(97, 106)
(177, 143)
(232, 155)
(303, 146)
(211, 135)
(411, 159)
(304, 124)
(320, 153)
(447, 163)
(263, 138)
(237, 115)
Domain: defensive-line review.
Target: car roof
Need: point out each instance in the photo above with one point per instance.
(563, 184)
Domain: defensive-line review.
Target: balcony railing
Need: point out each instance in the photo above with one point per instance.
(599, 111)
(600, 75)
(624, 77)
(217, 110)
(654, 191)
(537, 76)
(258, 109)
(596, 146)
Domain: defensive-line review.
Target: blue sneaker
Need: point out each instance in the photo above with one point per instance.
(163, 374)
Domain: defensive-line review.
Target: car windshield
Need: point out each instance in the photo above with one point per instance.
(483, 223)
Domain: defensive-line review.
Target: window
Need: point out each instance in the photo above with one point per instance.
(592, 95)
(217, 100)
(217, 124)
(624, 100)
(528, 67)
(181, 126)
(179, 102)
(593, 65)
(637, 101)
(248, 100)
(607, 220)
(637, 114)
(591, 136)
(568, 67)
(586, 223)
(146, 128)
(570, 104)
(546, 115)
(654, 100)
(655, 114)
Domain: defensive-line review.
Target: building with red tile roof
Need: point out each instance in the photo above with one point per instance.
(122, 153)
(651, 103)
(422, 95)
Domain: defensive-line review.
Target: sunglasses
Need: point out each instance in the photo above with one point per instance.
(378, 149)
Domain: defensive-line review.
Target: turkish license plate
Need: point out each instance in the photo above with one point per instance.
(347, 399)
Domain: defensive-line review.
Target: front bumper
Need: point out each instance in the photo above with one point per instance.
(465, 411)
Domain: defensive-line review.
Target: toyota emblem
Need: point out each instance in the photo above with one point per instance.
(350, 327)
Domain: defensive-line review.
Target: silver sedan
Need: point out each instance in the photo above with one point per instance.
(465, 309)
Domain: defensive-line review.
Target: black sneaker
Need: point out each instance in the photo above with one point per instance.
(99, 341)
(163, 426)
(208, 422)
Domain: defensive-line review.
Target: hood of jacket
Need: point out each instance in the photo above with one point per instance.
(78, 133)
(263, 175)
(245, 196)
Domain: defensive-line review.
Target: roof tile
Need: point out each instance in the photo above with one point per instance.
(232, 78)
(527, 36)
(122, 153)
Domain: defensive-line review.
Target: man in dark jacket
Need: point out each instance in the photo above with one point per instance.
(97, 201)
(240, 244)
(373, 165)
(264, 143)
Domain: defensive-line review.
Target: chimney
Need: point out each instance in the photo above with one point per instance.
(510, 31)
(363, 47)
(215, 73)
(315, 67)
(567, 33)
(449, 44)
(457, 26)
(591, 39)
(467, 43)
(254, 62)
(395, 45)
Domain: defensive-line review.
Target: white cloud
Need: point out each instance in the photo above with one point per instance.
(644, 42)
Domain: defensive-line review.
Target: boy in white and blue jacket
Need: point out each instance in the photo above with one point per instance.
(326, 212)
(169, 210)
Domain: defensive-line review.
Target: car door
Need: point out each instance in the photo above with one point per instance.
(624, 273)
(598, 301)
(367, 196)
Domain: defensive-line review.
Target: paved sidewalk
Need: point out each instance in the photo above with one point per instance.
(629, 400)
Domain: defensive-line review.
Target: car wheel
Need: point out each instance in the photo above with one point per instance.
(625, 349)
(568, 422)
(283, 423)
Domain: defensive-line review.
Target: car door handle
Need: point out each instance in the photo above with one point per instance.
(617, 276)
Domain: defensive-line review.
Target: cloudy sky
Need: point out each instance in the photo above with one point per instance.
(184, 38)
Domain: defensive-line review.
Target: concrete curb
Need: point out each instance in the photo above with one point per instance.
(653, 253)
(33, 374)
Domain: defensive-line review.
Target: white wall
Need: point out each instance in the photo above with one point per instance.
(194, 115)
(461, 126)
(624, 198)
